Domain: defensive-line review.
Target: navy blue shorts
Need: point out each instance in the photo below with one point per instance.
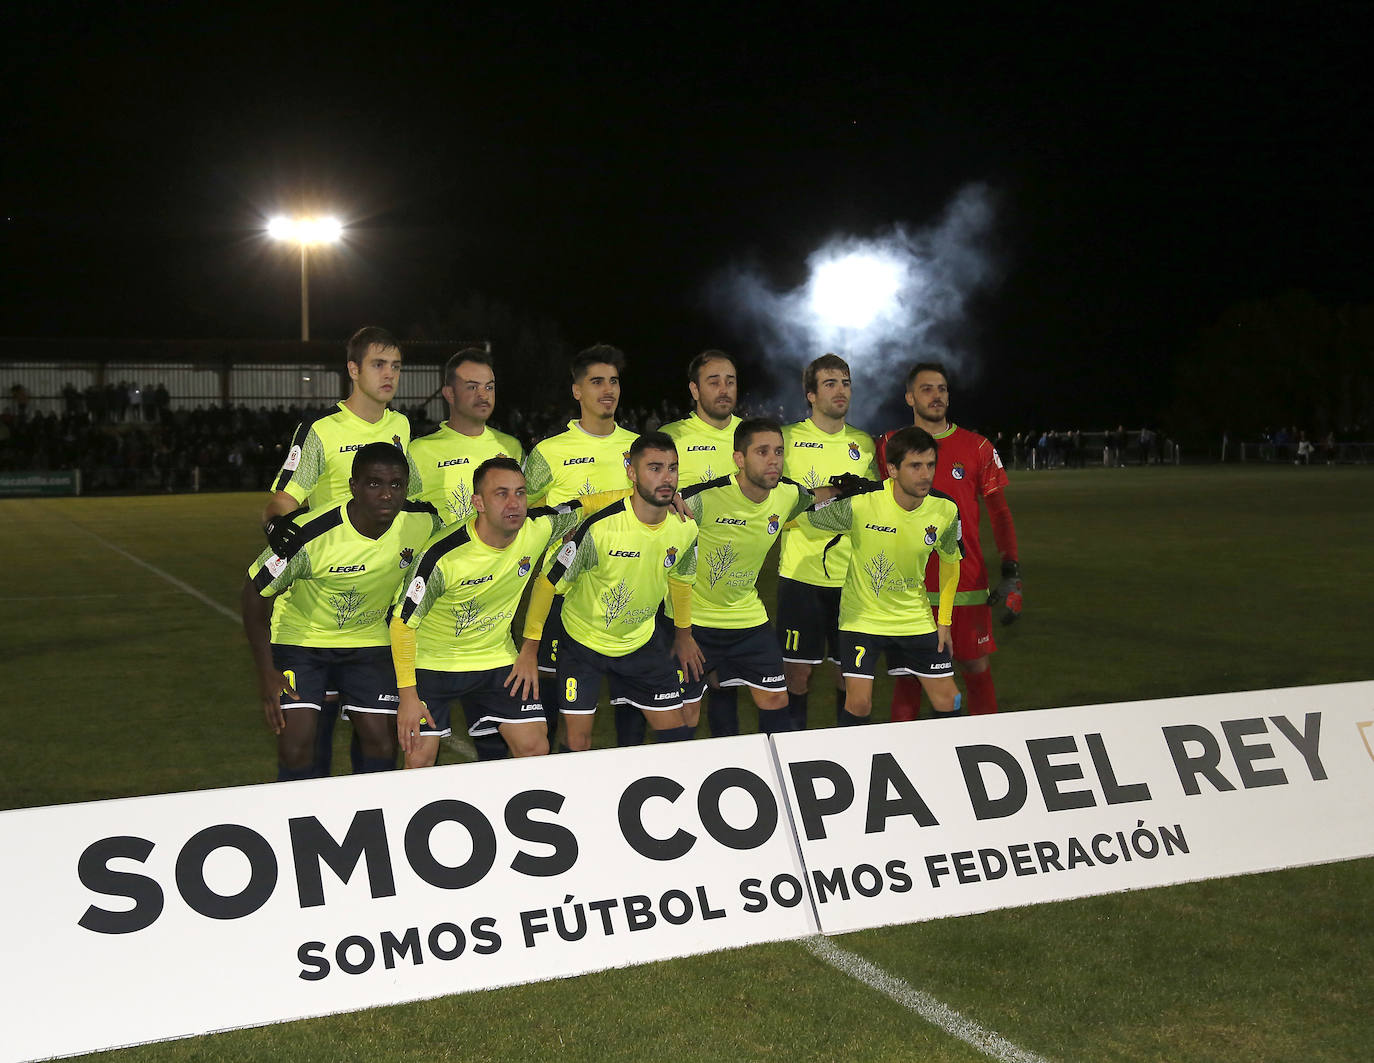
(808, 619)
(906, 655)
(487, 702)
(364, 677)
(645, 678)
(740, 657)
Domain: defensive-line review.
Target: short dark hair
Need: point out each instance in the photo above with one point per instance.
(652, 441)
(379, 454)
(498, 461)
(467, 354)
(747, 429)
(926, 367)
(825, 361)
(365, 337)
(596, 354)
(909, 440)
(695, 366)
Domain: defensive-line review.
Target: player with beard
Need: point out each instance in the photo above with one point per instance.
(705, 446)
(446, 458)
(970, 470)
(451, 629)
(328, 630)
(893, 532)
(739, 519)
(613, 574)
(319, 464)
(816, 449)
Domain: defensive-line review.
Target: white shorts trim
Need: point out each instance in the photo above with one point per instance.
(648, 708)
(300, 705)
(373, 712)
(804, 660)
(577, 712)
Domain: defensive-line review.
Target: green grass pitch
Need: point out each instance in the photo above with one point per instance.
(1140, 583)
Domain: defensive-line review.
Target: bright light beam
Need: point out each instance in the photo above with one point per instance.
(853, 290)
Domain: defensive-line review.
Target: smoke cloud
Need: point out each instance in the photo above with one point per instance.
(882, 303)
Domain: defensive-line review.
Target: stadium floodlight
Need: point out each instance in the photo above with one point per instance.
(306, 232)
(853, 289)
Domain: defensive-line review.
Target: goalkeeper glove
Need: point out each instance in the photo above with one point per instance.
(282, 533)
(850, 484)
(1008, 591)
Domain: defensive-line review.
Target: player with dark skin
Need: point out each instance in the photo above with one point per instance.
(378, 490)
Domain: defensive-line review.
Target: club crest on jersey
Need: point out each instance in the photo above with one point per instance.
(396, 442)
(626, 457)
(774, 523)
(407, 556)
(930, 534)
(524, 567)
(957, 470)
(854, 452)
(670, 559)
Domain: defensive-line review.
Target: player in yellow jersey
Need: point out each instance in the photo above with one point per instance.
(614, 573)
(892, 532)
(320, 460)
(446, 458)
(817, 448)
(328, 630)
(589, 456)
(705, 448)
(706, 437)
(451, 629)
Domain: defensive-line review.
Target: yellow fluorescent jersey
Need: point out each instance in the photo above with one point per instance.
(445, 459)
(573, 462)
(703, 452)
(463, 595)
(811, 457)
(884, 587)
(615, 571)
(336, 585)
(734, 535)
(320, 460)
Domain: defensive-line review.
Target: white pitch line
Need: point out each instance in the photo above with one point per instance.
(454, 744)
(989, 1042)
(178, 584)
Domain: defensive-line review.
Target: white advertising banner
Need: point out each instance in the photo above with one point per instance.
(186, 913)
(900, 823)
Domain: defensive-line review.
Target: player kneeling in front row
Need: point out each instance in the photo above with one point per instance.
(451, 629)
(335, 583)
(883, 604)
(738, 519)
(614, 573)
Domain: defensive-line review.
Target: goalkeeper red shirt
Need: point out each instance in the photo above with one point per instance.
(968, 469)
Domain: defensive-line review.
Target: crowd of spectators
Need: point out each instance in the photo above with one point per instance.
(145, 445)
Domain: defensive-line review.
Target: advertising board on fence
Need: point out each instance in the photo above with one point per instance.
(26, 484)
(185, 913)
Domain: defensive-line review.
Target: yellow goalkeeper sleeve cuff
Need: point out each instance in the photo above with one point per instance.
(403, 652)
(681, 596)
(541, 601)
(949, 584)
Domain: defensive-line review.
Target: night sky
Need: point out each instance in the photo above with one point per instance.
(1148, 169)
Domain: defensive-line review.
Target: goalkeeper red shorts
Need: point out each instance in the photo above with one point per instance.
(972, 631)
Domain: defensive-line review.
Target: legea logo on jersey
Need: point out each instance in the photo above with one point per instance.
(407, 556)
(854, 451)
(957, 470)
(671, 558)
(524, 567)
(774, 523)
(930, 534)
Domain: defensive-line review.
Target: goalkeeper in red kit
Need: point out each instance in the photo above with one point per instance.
(969, 469)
